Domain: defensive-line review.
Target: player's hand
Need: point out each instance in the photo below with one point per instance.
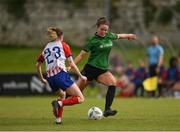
(83, 78)
(132, 37)
(44, 81)
(68, 68)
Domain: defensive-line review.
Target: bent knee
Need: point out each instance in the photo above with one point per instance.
(112, 83)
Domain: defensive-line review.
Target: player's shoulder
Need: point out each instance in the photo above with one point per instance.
(65, 44)
(111, 35)
(92, 39)
(159, 46)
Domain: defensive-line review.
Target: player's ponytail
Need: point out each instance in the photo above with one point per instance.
(54, 33)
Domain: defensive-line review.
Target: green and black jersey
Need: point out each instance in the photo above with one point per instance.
(99, 48)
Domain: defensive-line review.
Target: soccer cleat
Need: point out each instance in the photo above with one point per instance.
(109, 113)
(55, 106)
(58, 121)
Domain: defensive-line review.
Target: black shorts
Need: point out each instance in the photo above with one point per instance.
(92, 72)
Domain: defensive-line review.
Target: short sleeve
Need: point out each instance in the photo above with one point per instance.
(112, 36)
(87, 46)
(161, 50)
(40, 58)
(66, 49)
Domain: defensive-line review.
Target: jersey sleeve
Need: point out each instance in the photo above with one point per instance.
(87, 46)
(161, 50)
(40, 58)
(112, 36)
(67, 50)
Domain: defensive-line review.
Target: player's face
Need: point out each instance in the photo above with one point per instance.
(102, 30)
(155, 40)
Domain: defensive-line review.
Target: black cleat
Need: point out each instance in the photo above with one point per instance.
(109, 113)
(55, 106)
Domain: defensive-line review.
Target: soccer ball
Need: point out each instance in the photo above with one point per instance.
(95, 113)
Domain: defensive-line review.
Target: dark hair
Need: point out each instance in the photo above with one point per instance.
(59, 32)
(173, 62)
(102, 20)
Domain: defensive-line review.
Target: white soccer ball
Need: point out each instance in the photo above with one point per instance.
(95, 113)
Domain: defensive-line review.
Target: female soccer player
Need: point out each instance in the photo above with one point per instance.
(54, 54)
(99, 46)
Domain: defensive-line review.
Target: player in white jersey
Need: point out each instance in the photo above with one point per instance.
(54, 54)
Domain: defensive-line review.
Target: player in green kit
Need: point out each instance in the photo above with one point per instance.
(97, 67)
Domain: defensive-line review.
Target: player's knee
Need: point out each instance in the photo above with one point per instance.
(61, 94)
(112, 83)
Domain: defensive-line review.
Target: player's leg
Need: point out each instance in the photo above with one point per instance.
(82, 84)
(76, 94)
(61, 80)
(87, 72)
(108, 80)
(61, 94)
(76, 97)
(58, 112)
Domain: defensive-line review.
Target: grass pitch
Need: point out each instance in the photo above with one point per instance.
(15, 60)
(34, 113)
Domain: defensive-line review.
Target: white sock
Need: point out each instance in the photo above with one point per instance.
(58, 119)
(60, 103)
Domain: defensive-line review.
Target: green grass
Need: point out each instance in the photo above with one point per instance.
(24, 59)
(34, 113)
(18, 59)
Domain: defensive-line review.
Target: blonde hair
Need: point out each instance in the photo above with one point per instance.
(54, 33)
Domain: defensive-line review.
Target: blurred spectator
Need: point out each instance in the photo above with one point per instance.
(125, 83)
(116, 64)
(155, 58)
(140, 76)
(179, 60)
(173, 76)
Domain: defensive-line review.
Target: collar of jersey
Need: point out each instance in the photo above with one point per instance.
(99, 36)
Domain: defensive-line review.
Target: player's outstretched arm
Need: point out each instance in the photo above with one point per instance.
(127, 36)
(81, 55)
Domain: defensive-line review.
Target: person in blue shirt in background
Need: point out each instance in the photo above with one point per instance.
(155, 53)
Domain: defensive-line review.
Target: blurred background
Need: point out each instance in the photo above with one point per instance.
(24, 22)
(23, 27)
